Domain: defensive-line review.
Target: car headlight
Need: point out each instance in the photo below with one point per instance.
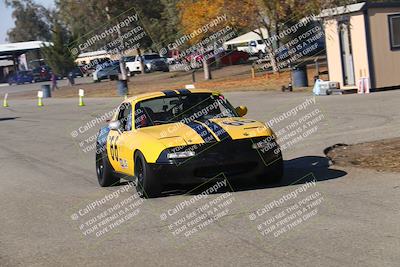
(181, 155)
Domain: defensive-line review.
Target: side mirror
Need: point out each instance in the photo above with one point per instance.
(114, 125)
(241, 111)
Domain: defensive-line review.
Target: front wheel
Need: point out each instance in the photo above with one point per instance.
(105, 173)
(147, 185)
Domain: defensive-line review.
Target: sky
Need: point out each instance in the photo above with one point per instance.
(7, 21)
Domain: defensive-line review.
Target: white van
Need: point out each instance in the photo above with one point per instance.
(255, 47)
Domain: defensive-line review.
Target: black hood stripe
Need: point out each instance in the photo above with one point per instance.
(218, 130)
(202, 131)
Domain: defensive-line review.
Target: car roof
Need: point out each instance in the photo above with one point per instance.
(146, 96)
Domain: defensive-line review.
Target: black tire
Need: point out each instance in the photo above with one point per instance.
(104, 170)
(147, 185)
(273, 173)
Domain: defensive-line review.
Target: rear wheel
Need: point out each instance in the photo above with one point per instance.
(147, 185)
(105, 173)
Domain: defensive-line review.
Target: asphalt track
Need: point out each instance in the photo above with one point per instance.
(47, 181)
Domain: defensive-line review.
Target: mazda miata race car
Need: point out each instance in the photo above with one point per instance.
(184, 137)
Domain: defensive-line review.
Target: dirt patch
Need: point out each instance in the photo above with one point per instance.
(383, 155)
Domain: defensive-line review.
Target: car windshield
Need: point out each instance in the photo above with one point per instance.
(182, 108)
(151, 57)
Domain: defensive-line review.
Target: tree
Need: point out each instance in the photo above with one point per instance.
(274, 16)
(106, 13)
(58, 56)
(196, 14)
(31, 21)
(167, 27)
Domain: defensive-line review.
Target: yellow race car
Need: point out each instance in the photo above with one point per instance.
(184, 137)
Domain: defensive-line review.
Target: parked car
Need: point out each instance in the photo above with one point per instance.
(152, 62)
(94, 64)
(160, 64)
(77, 72)
(21, 77)
(254, 47)
(227, 57)
(233, 57)
(108, 71)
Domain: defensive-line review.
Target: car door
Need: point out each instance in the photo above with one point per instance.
(137, 63)
(118, 150)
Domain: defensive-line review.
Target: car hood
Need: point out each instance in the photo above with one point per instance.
(213, 130)
(241, 128)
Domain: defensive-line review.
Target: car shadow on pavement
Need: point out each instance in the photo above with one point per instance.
(296, 171)
(8, 118)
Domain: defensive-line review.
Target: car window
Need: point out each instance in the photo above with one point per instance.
(182, 108)
(129, 59)
(125, 116)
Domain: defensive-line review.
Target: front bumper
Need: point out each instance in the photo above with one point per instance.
(158, 68)
(234, 159)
